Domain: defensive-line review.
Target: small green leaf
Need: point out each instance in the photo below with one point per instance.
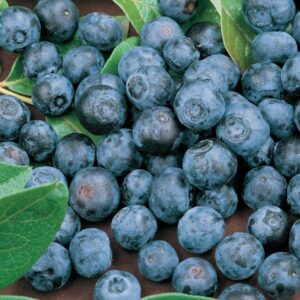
(15, 298)
(13, 178)
(176, 296)
(28, 223)
(3, 5)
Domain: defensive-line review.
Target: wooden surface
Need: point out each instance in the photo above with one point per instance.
(79, 288)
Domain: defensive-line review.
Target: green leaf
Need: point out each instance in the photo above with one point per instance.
(13, 178)
(111, 65)
(28, 223)
(15, 298)
(176, 296)
(3, 5)
(236, 33)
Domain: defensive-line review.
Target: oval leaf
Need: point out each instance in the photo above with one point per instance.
(28, 223)
(176, 296)
(3, 5)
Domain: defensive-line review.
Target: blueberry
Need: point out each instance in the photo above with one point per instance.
(73, 153)
(101, 31)
(45, 175)
(179, 53)
(69, 227)
(200, 229)
(243, 127)
(12, 153)
(59, 19)
(39, 139)
(286, 156)
(101, 109)
(40, 59)
(264, 186)
(269, 15)
(199, 111)
(136, 187)
(90, 252)
(53, 94)
(192, 137)
(157, 260)
(149, 87)
(296, 27)
(195, 276)
(171, 195)
(52, 270)
(275, 47)
(19, 28)
(294, 240)
(270, 225)
(157, 131)
(119, 285)
(81, 62)
(290, 75)
(280, 117)
(239, 255)
(209, 164)
(297, 115)
(158, 32)
(139, 57)
(118, 153)
(133, 227)
(13, 115)
(207, 36)
(262, 80)
(293, 191)
(224, 200)
(279, 275)
(94, 194)
(241, 291)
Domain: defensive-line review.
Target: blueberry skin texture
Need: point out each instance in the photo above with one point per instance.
(156, 33)
(94, 194)
(200, 229)
(279, 275)
(192, 137)
(13, 115)
(209, 164)
(157, 131)
(53, 94)
(73, 153)
(45, 175)
(157, 261)
(297, 115)
(286, 156)
(241, 291)
(195, 276)
(171, 195)
(224, 200)
(133, 227)
(296, 27)
(261, 81)
(275, 47)
(69, 227)
(118, 153)
(59, 19)
(38, 139)
(52, 270)
(90, 252)
(239, 255)
(294, 240)
(139, 57)
(101, 109)
(19, 28)
(293, 190)
(136, 187)
(199, 111)
(280, 117)
(100, 30)
(207, 36)
(290, 75)
(270, 225)
(243, 127)
(81, 62)
(12, 153)
(40, 59)
(117, 285)
(268, 15)
(149, 87)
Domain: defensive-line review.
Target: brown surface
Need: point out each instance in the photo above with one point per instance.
(79, 288)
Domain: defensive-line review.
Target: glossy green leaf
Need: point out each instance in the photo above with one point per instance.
(15, 298)
(13, 178)
(3, 5)
(176, 296)
(28, 223)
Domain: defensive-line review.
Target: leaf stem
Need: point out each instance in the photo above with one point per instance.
(10, 93)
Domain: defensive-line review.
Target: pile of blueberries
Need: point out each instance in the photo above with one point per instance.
(176, 123)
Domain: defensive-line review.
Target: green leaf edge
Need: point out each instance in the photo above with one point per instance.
(8, 297)
(176, 296)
